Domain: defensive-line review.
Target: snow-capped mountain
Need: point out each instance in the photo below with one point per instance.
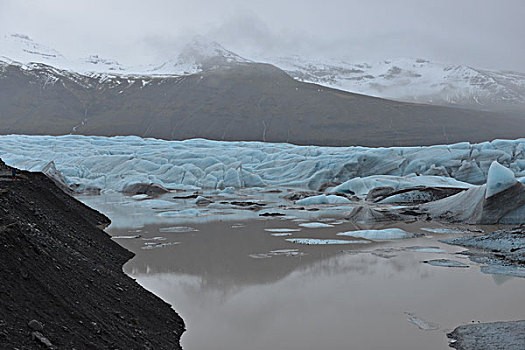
(198, 55)
(19, 49)
(410, 80)
(413, 80)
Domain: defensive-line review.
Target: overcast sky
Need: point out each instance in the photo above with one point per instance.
(482, 33)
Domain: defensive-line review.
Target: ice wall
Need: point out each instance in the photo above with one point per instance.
(112, 163)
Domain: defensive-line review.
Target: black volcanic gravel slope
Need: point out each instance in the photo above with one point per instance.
(59, 268)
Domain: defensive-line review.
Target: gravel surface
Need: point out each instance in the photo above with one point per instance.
(62, 285)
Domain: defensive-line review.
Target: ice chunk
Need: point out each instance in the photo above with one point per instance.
(445, 263)
(126, 237)
(363, 185)
(323, 199)
(441, 230)
(278, 252)
(178, 229)
(315, 225)
(421, 324)
(378, 235)
(200, 200)
(426, 249)
(316, 241)
(499, 179)
(282, 229)
(182, 213)
(140, 196)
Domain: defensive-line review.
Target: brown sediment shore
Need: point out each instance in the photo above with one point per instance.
(62, 284)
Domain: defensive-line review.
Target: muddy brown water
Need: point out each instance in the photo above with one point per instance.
(238, 286)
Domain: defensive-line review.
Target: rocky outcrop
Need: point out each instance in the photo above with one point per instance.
(489, 336)
(151, 189)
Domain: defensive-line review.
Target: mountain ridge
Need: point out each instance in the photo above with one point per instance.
(407, 80)
(245, 101)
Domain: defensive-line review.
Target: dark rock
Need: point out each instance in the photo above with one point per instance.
(39, 337)
(35, 325)
(151, 189)
(272, 214)
(489, 336)
(378, 193)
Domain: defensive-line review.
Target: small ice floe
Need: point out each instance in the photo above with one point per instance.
(154, 245)
(378, 235)
(155, 203)
(441, 230)
(181, 213)
(158, 238)
(323, 199)
(420, 323)
(140, 196)
(287, 252)
(288, 217)
(203, 201)
(299, 220)
(426, 249)
(260, 256)
(338, 222)
(126, 237)
(178, 229)
(281, 234)
(238, 225)
(317, 241)
(282, 230)
(445, 263)
(218, 206)
(315, 225)
(279, 252)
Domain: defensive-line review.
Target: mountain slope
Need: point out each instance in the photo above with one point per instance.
(239, 101)
(409, 80)
(414, 80)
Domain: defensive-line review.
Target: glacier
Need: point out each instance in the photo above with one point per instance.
(112, 163)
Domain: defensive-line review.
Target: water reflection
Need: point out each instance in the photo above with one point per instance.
(346, 301)
(221, 273)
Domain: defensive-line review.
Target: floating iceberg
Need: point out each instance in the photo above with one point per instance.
(501, 200)
(316, 241)
(323, 199)
(378, 235)
(315, 225)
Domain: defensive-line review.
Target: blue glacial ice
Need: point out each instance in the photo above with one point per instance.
(499, 179)
(378, 235)
(110, 163)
